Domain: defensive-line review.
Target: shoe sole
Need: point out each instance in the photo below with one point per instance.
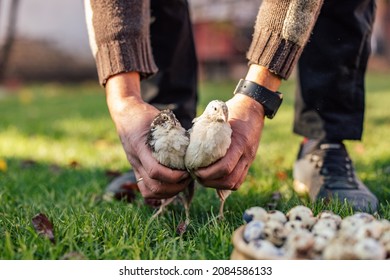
(303, 190)
(300, 188)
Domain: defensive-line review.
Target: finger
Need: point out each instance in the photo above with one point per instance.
(224, 166)
(151, 188)
(233, 180)
(242, 178)
(160, 172)
(158, 190)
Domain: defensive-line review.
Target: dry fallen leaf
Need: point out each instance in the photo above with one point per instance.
(113, 173)
(74, 164)
(181, 228)
(3, 165)
(282, 175)
(153, 202)
(43, 226)
(127, 192)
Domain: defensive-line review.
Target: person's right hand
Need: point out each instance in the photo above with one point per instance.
(246, 117)
(132, 118)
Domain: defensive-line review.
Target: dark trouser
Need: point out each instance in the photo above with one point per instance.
(330, 100)
(175, 85)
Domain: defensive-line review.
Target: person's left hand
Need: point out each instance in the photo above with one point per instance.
(132, 118)
(246, 117)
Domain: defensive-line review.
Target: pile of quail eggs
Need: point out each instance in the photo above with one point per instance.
(301, 235)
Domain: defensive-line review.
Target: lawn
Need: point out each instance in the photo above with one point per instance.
(58, 146)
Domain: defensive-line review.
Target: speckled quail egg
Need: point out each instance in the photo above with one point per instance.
(322, 239)
(256, 213)
(253, 230)
(386, 224)
(365, 217)
(298, 234)
(293, 226)
(327, 233)
(326, 214)
(275, 232)
(385, 241)
(320, 242)
(369, 249)
(264, 249)
(276, 215)
(303, 214)
(299, 243)
(324, 224)
(372, 229)
(351, 224)
(385, 237)
(339, 248)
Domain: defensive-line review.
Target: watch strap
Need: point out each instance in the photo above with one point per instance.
(269, 99)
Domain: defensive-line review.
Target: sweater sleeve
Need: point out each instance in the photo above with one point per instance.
(119, 37)
(282, 29)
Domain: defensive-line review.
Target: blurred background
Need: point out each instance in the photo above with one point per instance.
(59, 148)
(44, 40)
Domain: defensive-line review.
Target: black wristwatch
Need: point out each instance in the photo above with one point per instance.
(270, 100)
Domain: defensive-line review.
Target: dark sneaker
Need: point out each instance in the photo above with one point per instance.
(325, 170)
(124, 187)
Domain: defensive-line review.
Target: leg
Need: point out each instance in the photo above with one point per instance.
(330, 103)
(186, 199)
(164, 204)
(175, 85)
(223, 195)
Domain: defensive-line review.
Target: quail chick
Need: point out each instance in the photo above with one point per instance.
(168, 141)
(210, 138)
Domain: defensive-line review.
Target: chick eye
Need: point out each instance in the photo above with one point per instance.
(215, 108)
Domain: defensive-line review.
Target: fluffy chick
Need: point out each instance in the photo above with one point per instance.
(210, 138)
(168, 141)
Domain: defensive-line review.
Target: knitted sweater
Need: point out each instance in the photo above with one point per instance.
(119, 35)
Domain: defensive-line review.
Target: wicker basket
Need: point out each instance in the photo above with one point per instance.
(242, 251)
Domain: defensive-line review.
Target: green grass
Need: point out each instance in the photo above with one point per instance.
(55, 125)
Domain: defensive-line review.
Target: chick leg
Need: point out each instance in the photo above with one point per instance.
(221, 216)
(164, 203)
(223, 195)
(187, 199)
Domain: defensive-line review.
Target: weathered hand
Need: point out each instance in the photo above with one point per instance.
(132, 117)
(246, 117)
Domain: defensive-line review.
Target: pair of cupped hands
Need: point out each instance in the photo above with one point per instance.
(132, 118)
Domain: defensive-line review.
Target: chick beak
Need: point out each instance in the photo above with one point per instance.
(221, 119)
(224, 116)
